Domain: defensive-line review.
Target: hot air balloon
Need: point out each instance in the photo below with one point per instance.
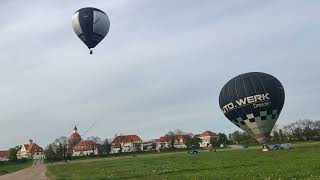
(253, 101)
(91, 25)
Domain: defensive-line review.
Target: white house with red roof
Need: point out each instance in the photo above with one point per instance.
(163, 143)
(205, 138)
(31, 151)
(125, 143)
(147, 146)
(180, 142)
(4, 155)
(84, 148)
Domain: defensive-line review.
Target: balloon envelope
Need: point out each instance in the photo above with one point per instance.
(253, 102)
(91, 25)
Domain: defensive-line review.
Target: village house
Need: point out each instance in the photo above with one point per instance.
(180, 142)
(31, 151)
(4, 155)
(79, 147)
(147, 146)
(125, 143)
(84, 148)
(162, 142)
(205, 138)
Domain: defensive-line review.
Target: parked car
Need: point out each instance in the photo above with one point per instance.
(194, 151)
(281, 146)
(286, 146)
(276, 146)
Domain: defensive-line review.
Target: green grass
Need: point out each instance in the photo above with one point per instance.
(303, 162)
(11, 166)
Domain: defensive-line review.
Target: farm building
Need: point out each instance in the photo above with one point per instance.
(205, 138)
(125, 143)
(84, 148)
(180, 141)
(4, 155)
(147, 146)
(30, 151)
(162, 142)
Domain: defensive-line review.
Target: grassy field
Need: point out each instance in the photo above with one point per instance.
(302, 162)
(8, 167)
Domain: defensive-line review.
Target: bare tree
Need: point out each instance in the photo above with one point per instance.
(179, 132)
(95, 139)
(61, 144)
(119, 142)
(171, 138)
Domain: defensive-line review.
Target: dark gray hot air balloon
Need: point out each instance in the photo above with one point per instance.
(253, 102)
(91, 25)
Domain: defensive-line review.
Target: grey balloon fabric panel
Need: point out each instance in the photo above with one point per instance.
(101, 23)
(76, 24)
(91, 25)
(253, 102)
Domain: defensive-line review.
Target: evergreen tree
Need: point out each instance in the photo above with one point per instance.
(105, 146)
(12, 154)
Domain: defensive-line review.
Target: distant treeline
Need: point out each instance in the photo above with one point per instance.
(302, 130)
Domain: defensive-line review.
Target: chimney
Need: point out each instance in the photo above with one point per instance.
(30, 141)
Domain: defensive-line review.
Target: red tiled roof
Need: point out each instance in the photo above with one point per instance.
(26, 146)
(75, 136)
(4, 154)
(208, 133)
(85, 145)
(126, 138)
(34, 148)
(163, 139)
(177, 138)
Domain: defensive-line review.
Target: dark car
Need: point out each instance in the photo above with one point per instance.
(275, 146)
(194, 151)
(286, 146)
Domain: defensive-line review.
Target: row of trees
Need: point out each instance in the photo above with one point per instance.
(302, 130)
(193, 141)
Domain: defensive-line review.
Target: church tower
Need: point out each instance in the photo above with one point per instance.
(74, 138)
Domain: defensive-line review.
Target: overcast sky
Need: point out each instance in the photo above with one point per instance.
(160, 68)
